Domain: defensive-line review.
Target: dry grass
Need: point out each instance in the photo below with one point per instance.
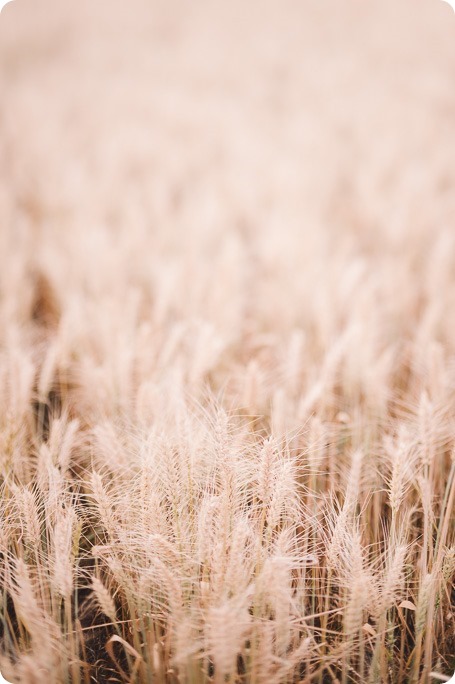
(227, 342)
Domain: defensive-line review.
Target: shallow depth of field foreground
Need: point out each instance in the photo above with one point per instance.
(227, 342)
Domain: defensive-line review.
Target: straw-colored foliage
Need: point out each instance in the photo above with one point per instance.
(227, 342)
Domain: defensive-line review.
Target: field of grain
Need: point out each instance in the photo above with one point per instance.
(227, 342)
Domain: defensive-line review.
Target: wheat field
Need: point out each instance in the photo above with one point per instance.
(227, 342)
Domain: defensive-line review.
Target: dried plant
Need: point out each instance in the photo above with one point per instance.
(227, 346)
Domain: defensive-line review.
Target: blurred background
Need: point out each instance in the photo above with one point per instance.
(234, 162)
(309, 112)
